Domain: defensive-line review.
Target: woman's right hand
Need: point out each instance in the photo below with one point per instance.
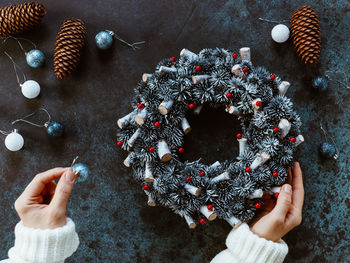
(43, 203)
(287, 213)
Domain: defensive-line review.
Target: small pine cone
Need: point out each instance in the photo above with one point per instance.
(70, 41)
(15, 19)
(305, 29)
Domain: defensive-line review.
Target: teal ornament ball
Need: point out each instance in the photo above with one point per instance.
(328, 150)
(104, 40)
(35, 58)
(320, 83)
(82, 172)
(54, 129)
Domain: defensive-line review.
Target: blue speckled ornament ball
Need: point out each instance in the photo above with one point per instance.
(104, 40)
(35, 58)
(54, 129)
(82, 171)
(328, 150)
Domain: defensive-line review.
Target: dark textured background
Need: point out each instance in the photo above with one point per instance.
(113, 220)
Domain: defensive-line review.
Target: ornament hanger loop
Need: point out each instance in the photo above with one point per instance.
(133, 45)
(4, 132)
(15, 66)
(345, 84)
(19, 42)
(272, 21)
(32, 123)
(74, 160)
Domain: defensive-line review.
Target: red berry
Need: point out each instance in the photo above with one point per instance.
(202, 221)
(140, 106)
(191, 105)
(120, 143)
(202, 173)
(276, 195)
(248, 169)
(173, 59)
(228, 95)
(239, 135)
(198, 68)
(275, 130)
(188, 179)
(181, 150)
(234, 55)
(157, 124)
(293, 139)
(275, 174)
(210, 207)
(245, 69)
(152, 149)
(257, 205)
(258, 103)
(273, 76)
(145, 187)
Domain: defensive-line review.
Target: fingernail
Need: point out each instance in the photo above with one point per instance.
(69, 176)
(287, 188)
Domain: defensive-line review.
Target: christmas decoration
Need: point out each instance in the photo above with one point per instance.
(15, 19)
(30, 88)
(81, 170)
(35, 58)
(328, 150)
(13, 141)
(53, 128)
(320, 83)
(305, 29)
(104, 40)
(70, 41)
(233, 187)
(280, 33)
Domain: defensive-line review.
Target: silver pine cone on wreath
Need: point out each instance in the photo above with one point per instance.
(70, 41)
(15, 19)
(305, 29)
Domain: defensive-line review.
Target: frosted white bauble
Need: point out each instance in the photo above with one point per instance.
(14, 141)
(280, 33)
(30, 89)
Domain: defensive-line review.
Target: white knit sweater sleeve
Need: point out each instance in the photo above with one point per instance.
(43, 246)
(243, 246)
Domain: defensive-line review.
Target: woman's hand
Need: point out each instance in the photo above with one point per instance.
(43, 203)
(286, 214)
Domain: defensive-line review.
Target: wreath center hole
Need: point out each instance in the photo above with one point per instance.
(213, 136)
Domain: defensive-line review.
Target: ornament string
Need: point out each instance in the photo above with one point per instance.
(133, 45)
(330, 137)
(15, 66)
(345, 84)
(272, 21)
(4, 132)
(19, 42)
(24, 119)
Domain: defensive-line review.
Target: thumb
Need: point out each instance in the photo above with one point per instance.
(284, 201)
(63, 190)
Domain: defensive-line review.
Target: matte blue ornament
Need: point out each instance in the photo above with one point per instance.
(54, 129)
(82, 172)
(104, 40)
(35, 58)
(328, 150)
(320, 83)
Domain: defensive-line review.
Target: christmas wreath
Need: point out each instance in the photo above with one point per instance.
(153, 134)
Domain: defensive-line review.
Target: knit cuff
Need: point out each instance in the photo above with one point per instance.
(248, 247)
(44, 246)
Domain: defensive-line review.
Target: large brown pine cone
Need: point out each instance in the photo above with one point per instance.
(15, 19)
(70, 41)
(305, 29)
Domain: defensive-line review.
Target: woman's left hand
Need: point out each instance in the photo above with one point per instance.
(43, 203)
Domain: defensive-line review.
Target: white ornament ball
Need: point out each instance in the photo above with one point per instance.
(30, 89)
(280, 33)
(14, 141)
